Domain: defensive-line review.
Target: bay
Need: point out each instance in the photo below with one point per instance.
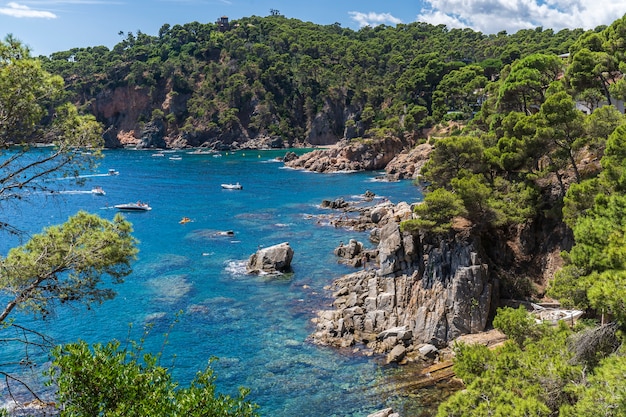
(189, 283)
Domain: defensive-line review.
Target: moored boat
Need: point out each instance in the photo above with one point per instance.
(138, 206)
(554, 315)
(235, 186)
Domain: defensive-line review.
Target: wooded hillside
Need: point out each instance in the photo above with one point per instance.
(293, 81)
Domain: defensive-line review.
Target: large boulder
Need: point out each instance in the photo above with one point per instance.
(271, 260)
(355, 254)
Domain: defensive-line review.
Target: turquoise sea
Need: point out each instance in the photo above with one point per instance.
(256, 325)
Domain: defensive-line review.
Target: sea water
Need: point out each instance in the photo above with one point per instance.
(189, 285)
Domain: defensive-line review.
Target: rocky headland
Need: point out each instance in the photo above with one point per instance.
(358, 155)
(415, 294)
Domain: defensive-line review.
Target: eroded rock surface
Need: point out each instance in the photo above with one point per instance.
(363, 155)
(271, 260)
(422, 291)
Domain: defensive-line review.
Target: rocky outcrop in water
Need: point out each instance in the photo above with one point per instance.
(355, 254)
(360, 155)
(271, 260)
(421, 290)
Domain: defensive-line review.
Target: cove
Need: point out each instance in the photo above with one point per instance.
(189, 281)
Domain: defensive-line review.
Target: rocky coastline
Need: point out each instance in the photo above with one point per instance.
(413, 294)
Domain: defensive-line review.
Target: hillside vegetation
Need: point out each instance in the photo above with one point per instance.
(293, 81)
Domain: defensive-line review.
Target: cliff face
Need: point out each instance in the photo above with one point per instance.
(128, 114)
(422, 291)
(426, 289)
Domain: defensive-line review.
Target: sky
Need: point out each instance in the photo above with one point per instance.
(48, 26)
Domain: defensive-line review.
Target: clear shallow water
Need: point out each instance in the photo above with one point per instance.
(257, 326)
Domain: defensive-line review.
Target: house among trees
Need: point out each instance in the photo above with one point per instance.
(222, 24)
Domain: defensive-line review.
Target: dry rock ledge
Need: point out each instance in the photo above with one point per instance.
(419, 293)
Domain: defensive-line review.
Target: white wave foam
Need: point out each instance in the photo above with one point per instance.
(236, 268)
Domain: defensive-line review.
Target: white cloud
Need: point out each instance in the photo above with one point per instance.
(492, 16)
(373, 19)
(17, 10)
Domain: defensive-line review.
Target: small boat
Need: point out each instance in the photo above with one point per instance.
(176, 158)
(158, 154)
(236, 186)
(184, 220)
(226, 233)
(138, 206)
(201, 152)
(554, 315)
(97, 191)
(113, 172)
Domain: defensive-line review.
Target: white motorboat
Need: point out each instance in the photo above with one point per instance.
(97, 191)
(235, 186)
(201, 152)
(113, 172)
(138, 206)
(554, 315)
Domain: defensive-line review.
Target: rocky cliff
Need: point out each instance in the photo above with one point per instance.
(358, 155)
(135, 116)
(420, 290)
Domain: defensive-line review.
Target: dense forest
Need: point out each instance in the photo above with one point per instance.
(291, 80)
(537, 137)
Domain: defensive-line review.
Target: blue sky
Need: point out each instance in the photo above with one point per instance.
(56, 25)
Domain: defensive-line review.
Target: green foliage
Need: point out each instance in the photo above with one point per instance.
(471, 361)
(436, 212)
(579, 199)
(26, 91)
(601, 124)
(613, 167)
(33, 108)
(111, 380)
(561, 126)
(535, 378)
(451, 158)
(66, 263)
(296, 70)
(597, 263)
(525, 86)
(603, 393)
(570, 286)
(461, 91)
(517, 324)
